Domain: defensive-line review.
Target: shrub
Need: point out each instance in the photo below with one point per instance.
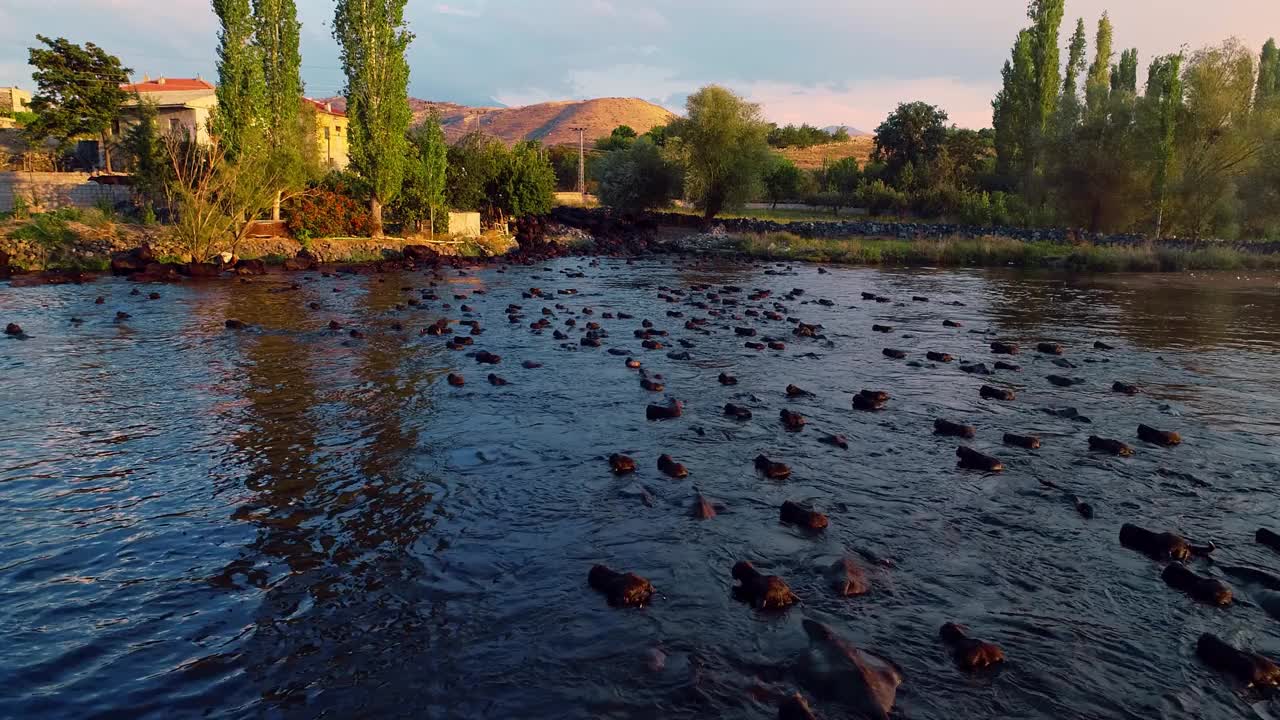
(637, 178)
(323, 213)
(879, 199)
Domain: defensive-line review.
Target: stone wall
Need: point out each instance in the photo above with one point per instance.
(49, 191)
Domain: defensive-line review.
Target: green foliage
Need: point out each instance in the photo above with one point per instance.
(25, 118)
(1098, 84)
(422, 198)
(77, 92)
(620, 139)
(913, 134)
(782, 180)
(1069, 108)
(1011, 112)
(373, 38)
(241, 83)
(804, 136)
(880, 199)
(564, 160)
(1268, 90)
(147, 155)
(657, 135)
(638, 178)
(525, 184)
(320, 213)
(723, 146)
(842, 176)
(473, 166)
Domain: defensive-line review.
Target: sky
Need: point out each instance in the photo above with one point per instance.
(825, 62)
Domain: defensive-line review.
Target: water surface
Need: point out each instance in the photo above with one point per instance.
(289, 522)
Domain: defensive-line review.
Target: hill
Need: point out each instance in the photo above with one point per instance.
(548, 122)
(853, 131)
(812, 158)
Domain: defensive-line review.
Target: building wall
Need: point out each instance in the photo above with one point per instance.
(14, 100)
(464, 224)
(49, 191)
(331, 134)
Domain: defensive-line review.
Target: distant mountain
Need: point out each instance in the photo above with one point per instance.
(853, 131)
(549, 122)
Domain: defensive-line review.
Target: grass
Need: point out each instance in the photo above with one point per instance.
(789, 215)
(999, 252)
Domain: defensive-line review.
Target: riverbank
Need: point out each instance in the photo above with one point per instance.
(988, 252)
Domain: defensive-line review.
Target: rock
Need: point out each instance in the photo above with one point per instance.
(235, 325)
(702, 508)
(976, 369)
(496, 381)
(456, 380)
(946, 427)
(251, 267)
(669, 467)
(1001, 348)
(1002, 365)
(882, 328)
(744, 331)
(728, 379)
(772, 470)
(791, 420)
(951, 324)
(1205, 589)
(839, 441)
(868, 684)
(1125, 388)
(939, 357)
(647, 383)
(1268, 538)
(993, 393)
(847, 578)
(420, 254)
(1249, 668)
(895, 354)
(1068, 413)
(530, 365)
(1166, 438)
(795, 707)
(621, 464)
(487, 358)
(1107, 445)
(202, 271)
(870, 400)
(971, 459)
(737, 412)
(1028, 442)
(970, 653)
(1050, 348)
(13, 330)
(1062, 381)
(1157, 546)
(633, 363)
(133, 261)
(793, 514)
(795, 392)
(1099, 345)
(669, 412)
(763, 592)
(621, 589)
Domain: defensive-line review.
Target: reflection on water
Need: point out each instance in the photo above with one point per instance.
(293, 521)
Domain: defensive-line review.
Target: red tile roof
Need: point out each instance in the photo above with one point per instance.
(168, 85)
(320, 107)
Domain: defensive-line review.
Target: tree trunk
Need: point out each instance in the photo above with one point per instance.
(275, 206)
(375, 212)
(106, 153)
(432, 231)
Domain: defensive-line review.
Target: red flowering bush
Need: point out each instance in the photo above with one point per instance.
(324, 213)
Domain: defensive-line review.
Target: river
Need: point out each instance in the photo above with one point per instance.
(286, 521)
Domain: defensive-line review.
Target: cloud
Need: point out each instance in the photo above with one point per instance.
(443, 9)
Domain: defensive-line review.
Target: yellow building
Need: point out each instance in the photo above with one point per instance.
(14, 100)
(331, 135)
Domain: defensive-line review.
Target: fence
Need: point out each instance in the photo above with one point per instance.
(44, 191)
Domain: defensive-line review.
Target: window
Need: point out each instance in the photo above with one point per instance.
(339, 129)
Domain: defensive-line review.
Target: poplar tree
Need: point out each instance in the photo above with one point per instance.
(1069, 103)
(1010, 110)
(373, 39)
(1268, 75)
(276, 36)
(241, 86)
(1097, 90)
(1164, 100)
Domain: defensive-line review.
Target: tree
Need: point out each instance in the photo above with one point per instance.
(1098, 86)
(1011, 112)
(1069, 103)
(425, 171)
(781, 180)
(473, 166)
(276, 35)
(966, 159)
(1046, 21)
(637, 178)
(373, 40)
(723, 144)
(843, 176)
(913, 134)
(147, 153)
(241, 85)
(1215, 141)
(1163, 101)
(525, 184)
(78, 92)
(1268, 75)
(1124, 76)
(621, 138)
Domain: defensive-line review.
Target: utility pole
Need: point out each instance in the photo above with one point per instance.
(582, 163)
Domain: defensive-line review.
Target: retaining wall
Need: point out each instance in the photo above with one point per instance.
(50, 191)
